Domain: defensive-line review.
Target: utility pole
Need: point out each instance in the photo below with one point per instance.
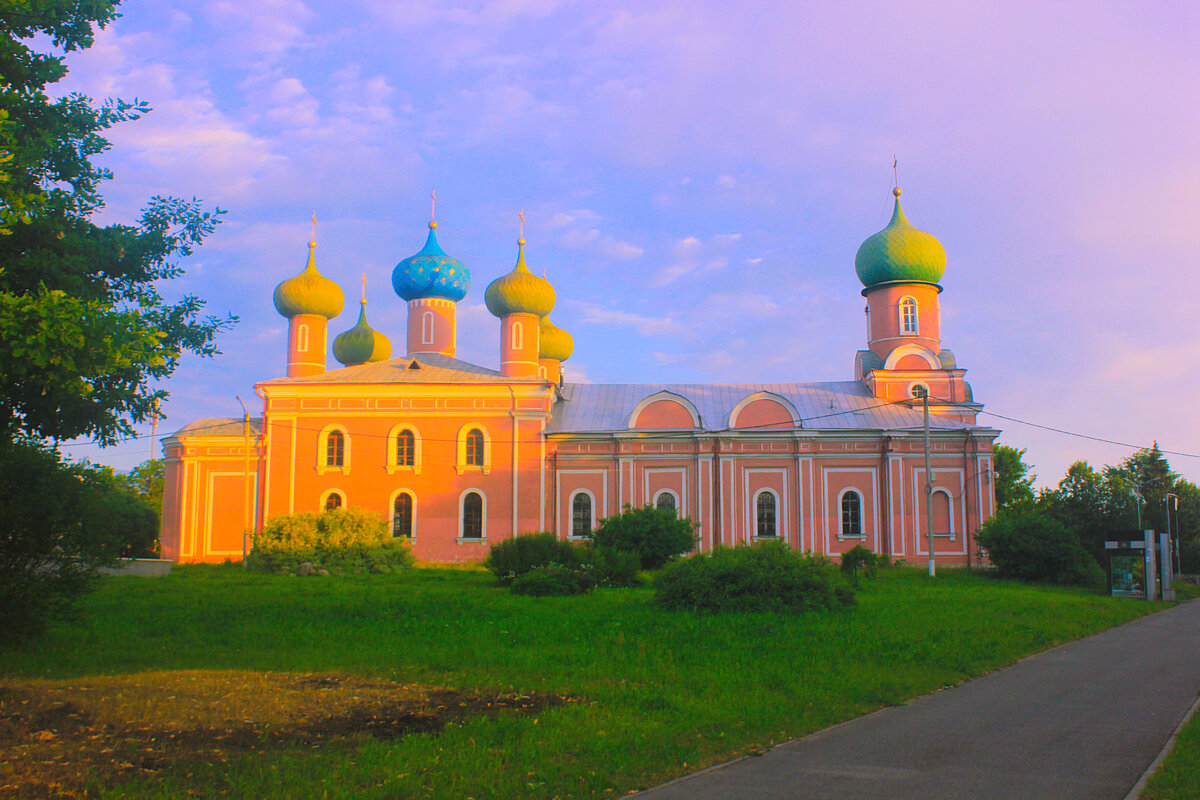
(245, 480)
(924, 395)
(1172, 501)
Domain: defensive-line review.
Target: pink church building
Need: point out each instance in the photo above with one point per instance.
(459, 456)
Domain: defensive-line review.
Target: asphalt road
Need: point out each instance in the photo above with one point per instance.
(1083, 720)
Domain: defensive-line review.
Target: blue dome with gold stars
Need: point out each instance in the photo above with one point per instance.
(431, 273)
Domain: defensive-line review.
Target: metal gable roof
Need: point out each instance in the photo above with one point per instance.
(431, 368)
(835, 405)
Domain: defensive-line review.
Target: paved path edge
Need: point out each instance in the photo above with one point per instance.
(1136, 791)
(1133, 793)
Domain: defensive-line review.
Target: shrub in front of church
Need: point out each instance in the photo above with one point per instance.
(346, 540)
(657, 536)
(1028, 546)
(859, 559)
(553, 580)
(512, 558)
(760, 577)
(609, 567)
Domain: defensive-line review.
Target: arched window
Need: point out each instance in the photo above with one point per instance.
(472, 516)
(851, 514)
(333, 501)
(302, 338)
(908, 316)
(581, 514)
(406, 449)
(335, 449)
(474, 456)
(943, 516)
(518, 336)
(765, 514)
(665, 501)
(427, 328)
(402, 516)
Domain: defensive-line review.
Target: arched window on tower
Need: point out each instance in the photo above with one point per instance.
(518, 336)
(765, 514)
(665, 501)
(581, 514)
(427, 328)
(851, 515)
(402, 516)
(908, 317)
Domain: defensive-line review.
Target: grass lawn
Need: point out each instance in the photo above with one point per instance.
(652, 694)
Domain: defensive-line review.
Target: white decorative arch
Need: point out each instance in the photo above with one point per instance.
(322, 467)
(674, 496)
(302, 338)
(460, 464)
(949, 512)
(862, 514)
(752, 520)
(391, 511)
(571, 512)
(392, 436)
(483, 523)
(912, 350)
(325, 496)
(908, 324)
(748, 399)
(650, 400)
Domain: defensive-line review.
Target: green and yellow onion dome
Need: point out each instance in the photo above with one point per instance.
(431, 273)
(310, 292)
(900, 254)
(520, 291)
(361, 344)
(553, 342)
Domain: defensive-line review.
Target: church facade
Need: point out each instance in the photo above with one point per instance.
(459, 456)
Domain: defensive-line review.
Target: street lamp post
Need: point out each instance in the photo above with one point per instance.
(1172, 501)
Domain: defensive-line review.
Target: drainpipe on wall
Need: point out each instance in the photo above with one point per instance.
(967, 497)
(886, 498)
(717, 487)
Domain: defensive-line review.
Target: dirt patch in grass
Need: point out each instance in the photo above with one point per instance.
(70, 738)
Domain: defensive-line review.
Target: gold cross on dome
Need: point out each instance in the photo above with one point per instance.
(364, 283)
(433, 204)
(521, 214)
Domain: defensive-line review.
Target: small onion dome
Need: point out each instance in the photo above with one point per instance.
(361, 344)
(520, 291)
(553, 342)
(431, 273)
(310, 292)
(900, 254)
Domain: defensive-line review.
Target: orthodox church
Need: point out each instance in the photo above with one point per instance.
(459, 456)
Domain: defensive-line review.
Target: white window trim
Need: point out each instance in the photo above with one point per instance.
(912, 390)
(460, 463)
(325, 496)
(754, 521)
(302, 338)
(322, 467)
(392, 512)
(674, 496)
(916, 316)
(393, 435)
(427, 327)
(949, 514)
(862, 515)
(571, 513)
(517, 340)
(462, 498)
(754, 398)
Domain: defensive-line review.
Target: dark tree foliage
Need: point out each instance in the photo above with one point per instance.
(1014, 481)
(84, 330)
(1030, 546)
(58, 522)
(656, 535)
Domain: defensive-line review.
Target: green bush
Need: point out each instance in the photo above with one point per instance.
(657, 536)
(342, 540)
(512, 558)
(1189, 557)
(1029, 546)
(859, 559)
(609, 567)
(763, 577)
(552, 580)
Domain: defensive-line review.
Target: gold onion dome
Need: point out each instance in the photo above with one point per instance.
(520, 291)
(900, 254)
(553, 342)
(362, 344)
(310, 292)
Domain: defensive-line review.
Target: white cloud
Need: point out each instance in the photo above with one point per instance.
(646, 326)
(690, 256)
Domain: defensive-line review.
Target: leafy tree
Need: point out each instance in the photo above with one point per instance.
(656, 535)
(84, 330)
(1014, 481)
(1150, 473)
(1030, 546)
(146, 482)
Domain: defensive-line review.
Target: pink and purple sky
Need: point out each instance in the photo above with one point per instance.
(696, 178)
